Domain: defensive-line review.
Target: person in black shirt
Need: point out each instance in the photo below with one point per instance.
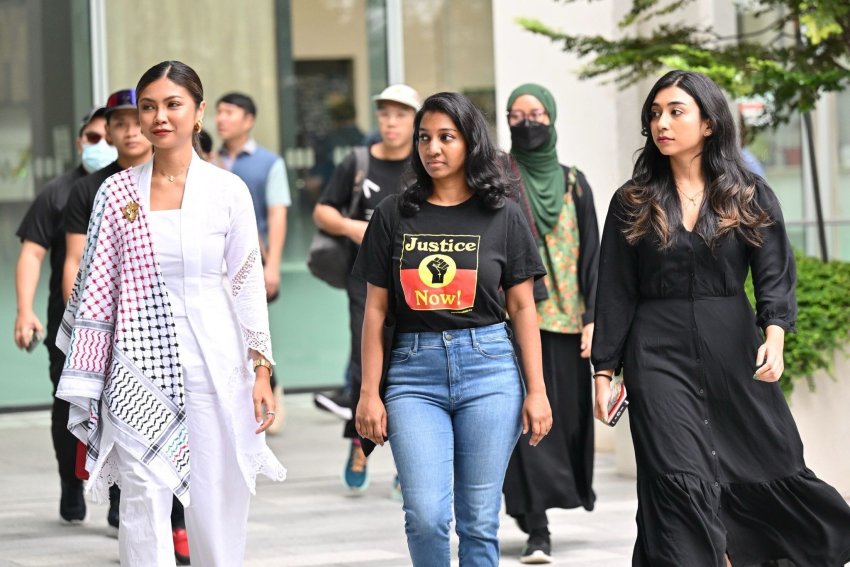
(445, 260)
(721, 476)
(41, 230)
(122, 130)
(387, 160)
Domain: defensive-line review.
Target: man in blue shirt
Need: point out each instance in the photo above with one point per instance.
(263, 172)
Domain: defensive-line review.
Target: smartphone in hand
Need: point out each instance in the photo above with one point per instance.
(35, 339)
(618, 403)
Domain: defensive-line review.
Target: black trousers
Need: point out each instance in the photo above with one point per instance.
(356, 307)
(64, 442)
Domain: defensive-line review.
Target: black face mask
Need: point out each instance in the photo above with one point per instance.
(528, 135)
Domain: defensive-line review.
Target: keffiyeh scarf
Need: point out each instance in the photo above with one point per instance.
(122, 362)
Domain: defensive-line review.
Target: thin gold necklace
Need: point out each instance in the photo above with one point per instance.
(693, 199)
(170, 178)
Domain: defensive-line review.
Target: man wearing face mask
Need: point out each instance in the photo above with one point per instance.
(558, 472)
(42, 230)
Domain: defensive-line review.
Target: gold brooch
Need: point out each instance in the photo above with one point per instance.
(131, 211)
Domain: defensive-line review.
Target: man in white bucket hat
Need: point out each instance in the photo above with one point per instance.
(375, 172)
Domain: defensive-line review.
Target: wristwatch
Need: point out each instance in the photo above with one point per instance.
(263, 362)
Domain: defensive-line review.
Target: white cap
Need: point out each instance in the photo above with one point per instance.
(402, 94)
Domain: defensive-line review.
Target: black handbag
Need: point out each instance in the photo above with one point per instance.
(330, 258)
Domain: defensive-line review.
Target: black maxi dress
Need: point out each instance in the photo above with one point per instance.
(719, 459)
(558, 472)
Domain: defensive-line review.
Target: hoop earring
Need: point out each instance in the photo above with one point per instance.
(199, 125)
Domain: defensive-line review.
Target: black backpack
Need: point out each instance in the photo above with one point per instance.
(330, 257)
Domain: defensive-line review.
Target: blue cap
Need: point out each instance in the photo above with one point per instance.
(121, 100)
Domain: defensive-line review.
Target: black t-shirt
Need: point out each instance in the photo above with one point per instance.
(383, 179)
(449, 264)
(43, 225)
(81, 199)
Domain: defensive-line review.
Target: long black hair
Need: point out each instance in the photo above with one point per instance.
(181, 74)
(486, 169)
(729, 204)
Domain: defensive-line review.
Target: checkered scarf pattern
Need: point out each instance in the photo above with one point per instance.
(121, 343)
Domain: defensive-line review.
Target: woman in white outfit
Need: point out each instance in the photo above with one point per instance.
(167, 340)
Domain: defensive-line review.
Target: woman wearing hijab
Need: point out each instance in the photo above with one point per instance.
(558, 472)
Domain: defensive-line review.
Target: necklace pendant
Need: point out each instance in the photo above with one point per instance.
(170, 178)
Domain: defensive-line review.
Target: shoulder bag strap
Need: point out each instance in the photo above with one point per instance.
(361, 170)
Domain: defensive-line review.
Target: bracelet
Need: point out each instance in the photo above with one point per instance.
(263, 362)
(609, 376)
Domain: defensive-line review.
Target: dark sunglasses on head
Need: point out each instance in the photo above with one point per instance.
(92, 137)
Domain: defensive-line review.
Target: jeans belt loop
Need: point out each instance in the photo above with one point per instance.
(415, 343)
(474, 337)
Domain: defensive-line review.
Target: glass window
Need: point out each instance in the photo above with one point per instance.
(841, 208)
(781, 153)
(45, 89)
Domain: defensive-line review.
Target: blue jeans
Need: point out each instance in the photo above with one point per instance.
(454, 402)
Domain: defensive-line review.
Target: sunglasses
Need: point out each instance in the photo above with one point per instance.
(92, 137)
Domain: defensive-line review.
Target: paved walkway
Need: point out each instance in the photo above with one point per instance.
(309, 520)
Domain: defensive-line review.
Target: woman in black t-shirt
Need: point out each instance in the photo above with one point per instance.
(448, 258)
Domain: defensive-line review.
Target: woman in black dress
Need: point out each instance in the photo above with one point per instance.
(721, 475)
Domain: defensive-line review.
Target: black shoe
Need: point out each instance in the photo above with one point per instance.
(72, 504)
(335, 401)
(538, 548)
(114, 503)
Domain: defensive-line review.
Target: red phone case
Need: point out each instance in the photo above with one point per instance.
(80, 466)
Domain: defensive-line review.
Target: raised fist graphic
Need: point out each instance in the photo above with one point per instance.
(438, 268)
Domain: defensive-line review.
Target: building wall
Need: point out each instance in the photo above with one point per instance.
(448, 45)
(598, 126)
(335, 29)
(230, 48)
(598, 122)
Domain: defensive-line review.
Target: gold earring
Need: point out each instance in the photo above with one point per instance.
(199, 125)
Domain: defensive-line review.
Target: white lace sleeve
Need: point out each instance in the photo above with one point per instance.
(245, 271)
(258, 341)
